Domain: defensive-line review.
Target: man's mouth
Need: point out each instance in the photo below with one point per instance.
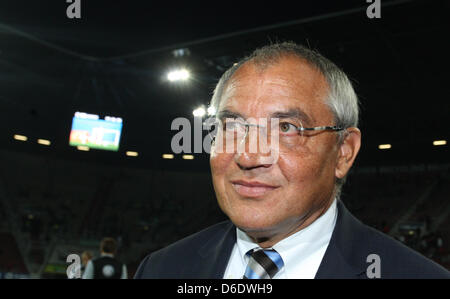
(252, 188)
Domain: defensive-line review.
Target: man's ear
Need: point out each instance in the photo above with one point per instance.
(348, 151)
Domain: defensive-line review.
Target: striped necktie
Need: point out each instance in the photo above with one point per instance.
(263, 264)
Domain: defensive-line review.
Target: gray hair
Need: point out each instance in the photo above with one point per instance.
(341, 98)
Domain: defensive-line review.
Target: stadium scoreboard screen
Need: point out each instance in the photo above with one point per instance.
(90, 131)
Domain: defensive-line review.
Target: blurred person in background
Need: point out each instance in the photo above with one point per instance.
(86, 256)
(106, 266)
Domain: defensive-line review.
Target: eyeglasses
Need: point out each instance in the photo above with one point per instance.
(289, 134)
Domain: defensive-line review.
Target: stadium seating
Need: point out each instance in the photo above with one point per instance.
(63, 202)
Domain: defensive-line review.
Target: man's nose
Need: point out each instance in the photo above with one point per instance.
(247, 161)
(253, 151)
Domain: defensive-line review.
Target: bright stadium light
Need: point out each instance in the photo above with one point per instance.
(199, 112)
(167, 156)
(44, 141)
(439, 142)
(385, 146)
(20, 137)
(211, 110)
(83, 148)
(188, 157)
(178, 75)
(131, 154)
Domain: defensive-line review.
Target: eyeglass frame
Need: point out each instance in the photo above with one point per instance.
(247, 125)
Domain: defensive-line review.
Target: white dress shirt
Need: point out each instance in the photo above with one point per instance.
(301, 252)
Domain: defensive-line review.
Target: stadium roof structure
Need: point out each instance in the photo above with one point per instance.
(113, 61)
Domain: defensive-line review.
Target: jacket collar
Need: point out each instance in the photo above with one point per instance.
(345, 255)
(216, 252)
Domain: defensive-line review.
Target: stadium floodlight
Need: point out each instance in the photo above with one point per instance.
(83, 148)
(178, 75)
(20, 137)
(181, 52)
(199, 112)
(188, 157)
(439, 142)
(44, 141)
(168, 156)
(385, 146)
(131, 154)
(211, 110)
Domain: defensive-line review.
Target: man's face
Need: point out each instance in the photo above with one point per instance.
(270, 198)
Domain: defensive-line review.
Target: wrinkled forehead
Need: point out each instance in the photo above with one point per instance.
(289, 83)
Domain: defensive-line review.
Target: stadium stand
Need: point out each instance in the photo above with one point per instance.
(58, 207)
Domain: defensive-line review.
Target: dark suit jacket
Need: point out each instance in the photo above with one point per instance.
(206, 254)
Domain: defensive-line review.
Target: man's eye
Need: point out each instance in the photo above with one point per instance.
(286, 127)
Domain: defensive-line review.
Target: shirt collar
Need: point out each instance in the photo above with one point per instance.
(304, 242)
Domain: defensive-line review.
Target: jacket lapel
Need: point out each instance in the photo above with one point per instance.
(214, 255)
(344, 257)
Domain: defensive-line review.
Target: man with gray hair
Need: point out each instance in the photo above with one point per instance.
(286, 218)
